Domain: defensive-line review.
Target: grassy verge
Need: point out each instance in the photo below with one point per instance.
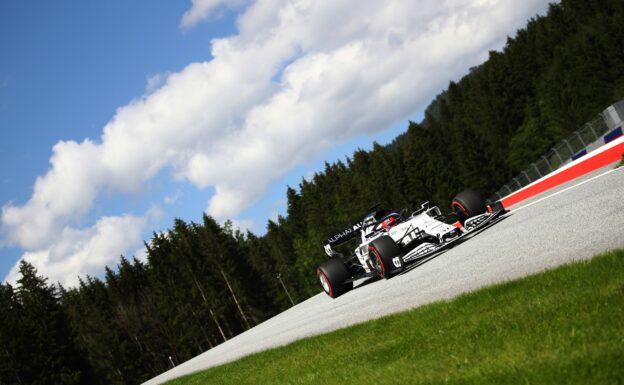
(563, 326)
(621, 162)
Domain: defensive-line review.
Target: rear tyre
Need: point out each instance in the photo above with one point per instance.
(385, 257)
(332, 275)
(467, 204)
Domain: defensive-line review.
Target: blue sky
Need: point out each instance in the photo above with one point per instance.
(66, 66)
(117, 117)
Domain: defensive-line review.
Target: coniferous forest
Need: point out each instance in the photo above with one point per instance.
(203, 283)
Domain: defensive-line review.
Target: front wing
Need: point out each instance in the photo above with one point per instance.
(471, 226)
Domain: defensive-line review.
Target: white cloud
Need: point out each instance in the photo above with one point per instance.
(141, 254)
(153, 82)
(202, 10)
(67, 191)
(244, 225)
(81, 252)
(173, 198)
(309, 176)
(300, 77)
(277, 208)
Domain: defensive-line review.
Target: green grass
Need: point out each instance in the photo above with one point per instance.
(621, 162)
(563, 326)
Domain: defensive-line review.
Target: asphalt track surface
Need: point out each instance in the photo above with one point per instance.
(574, 221)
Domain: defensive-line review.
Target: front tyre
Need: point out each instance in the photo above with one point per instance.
(467, 204)
(333, 275)
(385, 257)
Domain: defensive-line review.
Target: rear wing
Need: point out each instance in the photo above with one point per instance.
(344, 236)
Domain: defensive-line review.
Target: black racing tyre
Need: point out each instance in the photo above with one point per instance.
(332, 274)
(467, 204)
(385, 256)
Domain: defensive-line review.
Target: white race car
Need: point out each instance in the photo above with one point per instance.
(390, 241)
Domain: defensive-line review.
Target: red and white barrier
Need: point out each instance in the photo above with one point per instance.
(605, 155)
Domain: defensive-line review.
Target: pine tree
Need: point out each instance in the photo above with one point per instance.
(46, 342)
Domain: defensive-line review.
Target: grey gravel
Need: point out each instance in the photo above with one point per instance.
(575, 224)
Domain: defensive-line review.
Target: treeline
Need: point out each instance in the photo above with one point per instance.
(203, 283)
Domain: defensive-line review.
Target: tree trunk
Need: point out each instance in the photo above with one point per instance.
(240, 310)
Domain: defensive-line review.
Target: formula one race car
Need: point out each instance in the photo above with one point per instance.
(390, 241)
